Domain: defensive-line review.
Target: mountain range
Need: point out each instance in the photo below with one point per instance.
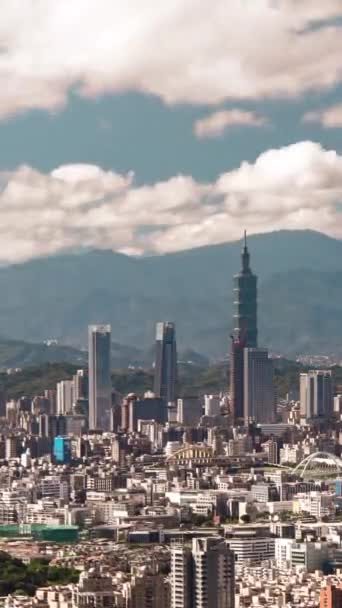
(300, 296)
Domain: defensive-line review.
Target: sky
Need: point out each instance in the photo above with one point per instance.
(151, 127)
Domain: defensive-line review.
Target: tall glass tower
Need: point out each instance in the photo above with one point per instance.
(100, 387)
(245, 332)
(165, 373)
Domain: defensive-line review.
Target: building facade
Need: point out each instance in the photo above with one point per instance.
(100, 389)
(259, 397)
(165, 372)
(316, 395)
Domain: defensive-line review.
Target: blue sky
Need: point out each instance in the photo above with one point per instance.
(146, 127)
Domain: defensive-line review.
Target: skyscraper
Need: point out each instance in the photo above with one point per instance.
(100, 389)
(259, 397)
(245, 332)
(165, 373)
(202, 576)
(316, 394)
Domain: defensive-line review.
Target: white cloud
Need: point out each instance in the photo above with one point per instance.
(193, 51)
(217, 123)
(75, 206)
(328, 117)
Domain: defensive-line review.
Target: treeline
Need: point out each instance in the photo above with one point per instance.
(192, 379)
(21, 579)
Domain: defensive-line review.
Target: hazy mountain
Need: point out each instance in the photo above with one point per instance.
(300, 290)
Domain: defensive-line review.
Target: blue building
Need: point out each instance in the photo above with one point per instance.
(338, 487)
(62, 450)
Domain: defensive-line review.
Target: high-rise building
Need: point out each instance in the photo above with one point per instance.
(202, 576)
(181, 576)
(316, 394)
(245, 332)
(100, 388)
(165, 373)
(331, 596)
(259, 396)
(65, 397)
(212, 405)
(62, 450)
(189, 411)
(147, 590)
(80, 381)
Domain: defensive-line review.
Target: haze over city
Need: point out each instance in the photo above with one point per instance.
(170, 311)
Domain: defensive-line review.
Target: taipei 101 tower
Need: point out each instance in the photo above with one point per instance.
(245, 332)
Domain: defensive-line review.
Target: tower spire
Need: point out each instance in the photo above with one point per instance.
(245, 256)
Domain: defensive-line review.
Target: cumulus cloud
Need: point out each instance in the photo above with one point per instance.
(329, 118)
(76, 206)
(192, 52)
(217, 123)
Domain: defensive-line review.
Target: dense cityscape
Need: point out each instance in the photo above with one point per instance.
(154, 500)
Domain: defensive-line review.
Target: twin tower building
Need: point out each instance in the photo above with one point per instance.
(251, 370)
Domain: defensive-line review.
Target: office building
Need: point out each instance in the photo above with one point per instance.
(251, 548)
(245, 331)
(202, 576)
(331, 596)
(316, 395)
(189, 411)
(100, 386)
(165, 372)
(62, 450)
(259, 397)
(148, 408)
(65, 397)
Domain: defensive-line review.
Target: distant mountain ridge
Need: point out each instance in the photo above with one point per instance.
(300, 295)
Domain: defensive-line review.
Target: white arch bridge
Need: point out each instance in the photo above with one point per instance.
(319, 464)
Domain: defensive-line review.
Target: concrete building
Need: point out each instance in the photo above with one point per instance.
(100, 388)
(211, 405)
(259, 396)
(181, 576)
(94, 589)
(331, 596)
(202, 576)
(250, 548)
(147, 590)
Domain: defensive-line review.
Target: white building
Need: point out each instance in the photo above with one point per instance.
(65, 396)
(251, 549)
(211, 405)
